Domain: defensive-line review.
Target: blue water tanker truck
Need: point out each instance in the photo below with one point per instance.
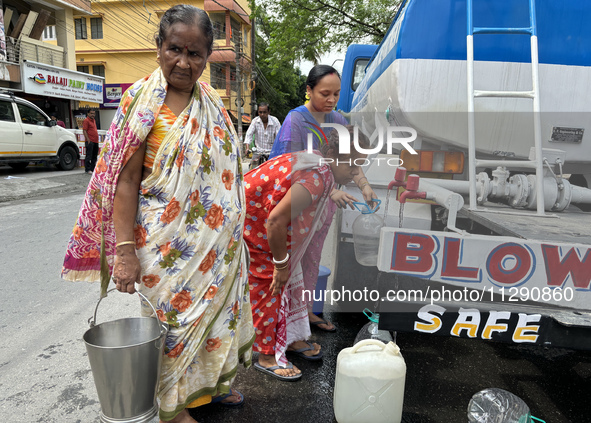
(480, 121)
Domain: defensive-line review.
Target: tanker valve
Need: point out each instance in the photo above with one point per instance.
(412, 193)
(399, 178)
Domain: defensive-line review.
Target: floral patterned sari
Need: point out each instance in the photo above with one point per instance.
(188, 236)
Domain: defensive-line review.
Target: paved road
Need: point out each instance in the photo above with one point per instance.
(45, 376)
(44, 372)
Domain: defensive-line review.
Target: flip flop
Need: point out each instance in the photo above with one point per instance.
(220, 398)
(322, 322)
(310, 347)
(271, 371)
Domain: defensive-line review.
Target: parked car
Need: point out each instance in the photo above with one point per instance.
(28, 135)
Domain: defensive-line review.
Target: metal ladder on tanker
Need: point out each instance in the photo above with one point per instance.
(533, 94)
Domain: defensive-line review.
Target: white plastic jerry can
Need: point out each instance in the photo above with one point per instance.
(369, 385)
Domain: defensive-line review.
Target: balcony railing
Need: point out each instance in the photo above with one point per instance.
(26, 48)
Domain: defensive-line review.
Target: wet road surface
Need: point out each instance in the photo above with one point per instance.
(442, 375)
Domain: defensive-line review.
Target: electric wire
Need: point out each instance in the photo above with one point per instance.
(140, 38)
(63, 25)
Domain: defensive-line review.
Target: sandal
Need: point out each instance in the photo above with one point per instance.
(322, 322)
(310, 347)
(220, 398)
(271, 371)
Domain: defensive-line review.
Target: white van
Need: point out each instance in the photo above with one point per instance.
(28, 135)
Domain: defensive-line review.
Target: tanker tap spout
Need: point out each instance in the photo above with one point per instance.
(399, 178)
(412, 192)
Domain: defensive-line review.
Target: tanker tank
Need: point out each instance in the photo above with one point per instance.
(417, 77)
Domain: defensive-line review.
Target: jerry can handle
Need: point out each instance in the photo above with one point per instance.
(163, 326)
(360, 206)
(377, 204)
(367, 342)
(370, 315)
(365, 207)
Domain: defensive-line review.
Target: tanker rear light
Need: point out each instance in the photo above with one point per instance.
(450, 162)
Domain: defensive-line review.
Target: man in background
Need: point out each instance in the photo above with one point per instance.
(92, 141)
(58, 122)
(264, 128)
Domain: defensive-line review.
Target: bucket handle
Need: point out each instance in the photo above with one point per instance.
(163, 327)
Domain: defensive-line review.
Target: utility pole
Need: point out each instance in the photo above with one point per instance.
(253, 99)
(239, 90)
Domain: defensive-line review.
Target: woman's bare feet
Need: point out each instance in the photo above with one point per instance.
(182, 417)
(313, 318)
(303, 344)
(267, 360)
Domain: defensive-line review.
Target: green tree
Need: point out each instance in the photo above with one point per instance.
(306, 29)
(278, 82)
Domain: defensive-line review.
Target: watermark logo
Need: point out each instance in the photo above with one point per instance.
(383, 135)
(316, 130)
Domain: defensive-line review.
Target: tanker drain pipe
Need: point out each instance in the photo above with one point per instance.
(452, 201)
(417, 188)
(460, 187)
(580, 195)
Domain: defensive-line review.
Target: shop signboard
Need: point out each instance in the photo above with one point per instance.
(113, 93)
(51, 81)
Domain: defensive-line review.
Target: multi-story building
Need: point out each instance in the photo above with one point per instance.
(37, 55)
(116, 41)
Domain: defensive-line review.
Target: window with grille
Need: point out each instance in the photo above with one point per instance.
(236, 31)
(82, 69)
(218, 20)
(96, 28)
(80, 25)
(49, 33)
(98, 70)
(217, 73)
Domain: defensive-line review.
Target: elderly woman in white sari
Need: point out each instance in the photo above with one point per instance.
(167, 203)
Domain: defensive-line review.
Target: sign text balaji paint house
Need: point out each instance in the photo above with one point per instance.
(51, 81)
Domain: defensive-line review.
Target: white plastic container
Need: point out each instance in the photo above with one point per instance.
(366, 234)
(369, 385)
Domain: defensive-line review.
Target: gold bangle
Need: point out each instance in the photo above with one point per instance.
(281, 268)
(124, 243)
(361, 179)
(363, 185)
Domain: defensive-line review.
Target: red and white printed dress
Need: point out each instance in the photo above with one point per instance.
(265, 187)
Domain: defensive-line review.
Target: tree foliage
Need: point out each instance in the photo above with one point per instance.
(306, 29)
(278, 83)
(289, 31)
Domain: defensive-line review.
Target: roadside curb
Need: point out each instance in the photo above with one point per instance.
(18, 188)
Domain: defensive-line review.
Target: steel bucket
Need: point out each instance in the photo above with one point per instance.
(125, 357)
